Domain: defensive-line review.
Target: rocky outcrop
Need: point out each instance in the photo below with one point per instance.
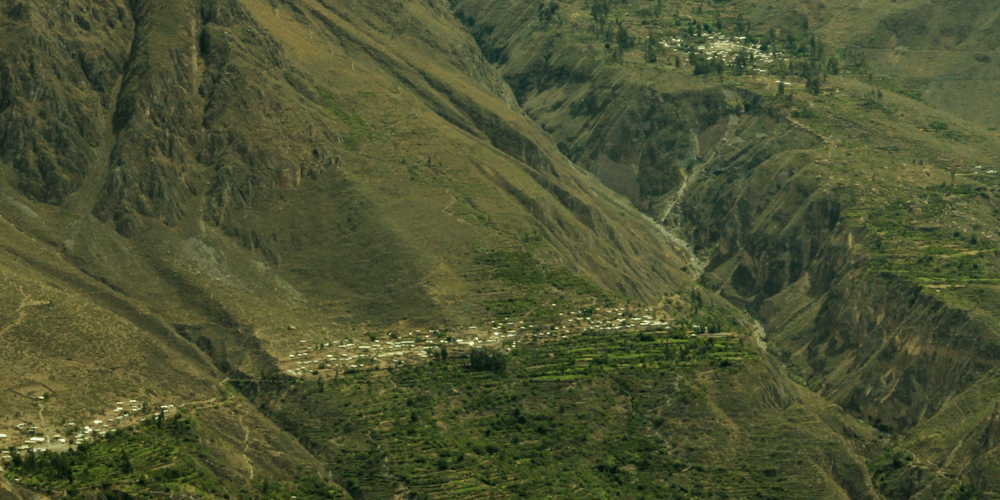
(59, 65)
(10, 491)
(203, 82)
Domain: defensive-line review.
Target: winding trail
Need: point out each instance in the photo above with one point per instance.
(41, 416)
(21, 311)
(246, 446)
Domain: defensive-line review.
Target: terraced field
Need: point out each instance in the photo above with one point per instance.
(154, 459)
(638, 413)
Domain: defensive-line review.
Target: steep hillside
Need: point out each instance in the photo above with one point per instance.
(941, 53)
(192, 189)
(255, 125)
(858, 224)
(656, 414)
(490, 249)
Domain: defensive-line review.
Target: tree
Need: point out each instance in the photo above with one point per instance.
(700, 62)
(833, 65)
(547, 12)
(652, 47)
(813, 84)
(30, 461)
(599, 11)
(625, 40)
(742, 25)
(61, 466)
(695, 299)
(813, 73)
(741, 62)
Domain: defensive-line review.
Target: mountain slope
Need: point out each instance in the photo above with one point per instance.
(858, 224)
(184, 182)
(207, 194)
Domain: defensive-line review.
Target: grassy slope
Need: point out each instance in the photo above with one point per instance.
(941, 52)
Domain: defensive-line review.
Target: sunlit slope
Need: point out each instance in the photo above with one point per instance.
(192, 187)
(334, 148)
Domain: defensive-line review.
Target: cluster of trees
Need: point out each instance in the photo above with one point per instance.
(56, 467)
(547, 12)
(809, 60)
(487, 360)
(613, 33)
(808, 56)
(705, 66)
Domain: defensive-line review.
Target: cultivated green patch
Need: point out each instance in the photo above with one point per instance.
(621, 414)
(157, 458)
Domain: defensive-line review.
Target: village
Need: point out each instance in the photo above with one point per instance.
(333, 356)
(727, 48)
(28, 436)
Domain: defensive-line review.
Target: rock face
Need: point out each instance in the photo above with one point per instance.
(58, 73)
(201, 87)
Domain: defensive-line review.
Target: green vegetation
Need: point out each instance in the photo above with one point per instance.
(806, 205)
(934, 251)
(625, 414)
(892, 472)
(486, 360)
(362, 215)
(358, 130)
(157, 457)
